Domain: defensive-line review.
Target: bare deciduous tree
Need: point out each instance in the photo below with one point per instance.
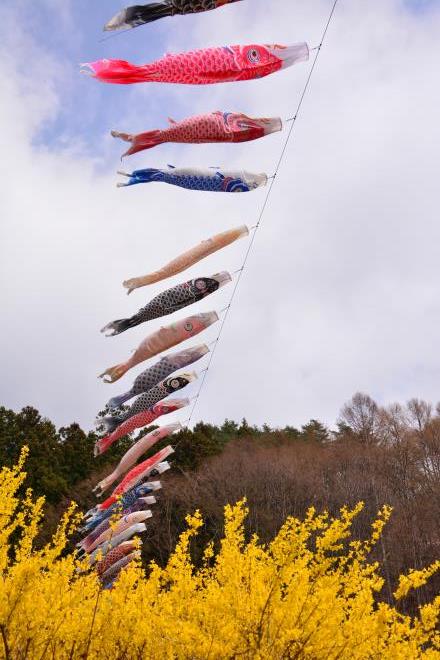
(363, 416)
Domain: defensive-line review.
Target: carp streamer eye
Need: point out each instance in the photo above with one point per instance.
(188, 326)
(253, 56)
(175, 383)
(200, 285)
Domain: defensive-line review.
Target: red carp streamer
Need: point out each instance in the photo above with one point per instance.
(139, 421)
(135, 475)
(201, 129)
(202, 67)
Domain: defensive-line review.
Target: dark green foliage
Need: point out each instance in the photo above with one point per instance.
(61, 459)
(58, 460)
(314, 431)
(46, 474)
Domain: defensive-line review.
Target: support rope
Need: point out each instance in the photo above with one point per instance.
(240, 271)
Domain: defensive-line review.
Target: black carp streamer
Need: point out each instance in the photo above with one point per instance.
(137, 15)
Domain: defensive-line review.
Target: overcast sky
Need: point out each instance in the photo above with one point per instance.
(341, 292)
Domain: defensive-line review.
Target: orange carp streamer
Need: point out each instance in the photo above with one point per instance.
(160, 341)
(188, 259)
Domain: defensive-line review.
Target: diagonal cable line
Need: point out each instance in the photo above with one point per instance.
(292, 121)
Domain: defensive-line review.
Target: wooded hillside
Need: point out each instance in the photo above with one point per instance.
(375, 455)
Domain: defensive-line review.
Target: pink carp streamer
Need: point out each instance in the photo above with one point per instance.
(113, 572)
(203, 67)
(201, 129)
(160, 341)
(189, 258)
(135, 452)
(112, 557)
(136, 475)
(139, 421)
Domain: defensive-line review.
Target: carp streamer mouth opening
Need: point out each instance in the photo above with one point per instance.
(290, 55)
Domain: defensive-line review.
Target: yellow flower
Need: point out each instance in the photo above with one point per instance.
(311, 594)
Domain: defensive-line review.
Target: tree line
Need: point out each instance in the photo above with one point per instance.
(61, 460)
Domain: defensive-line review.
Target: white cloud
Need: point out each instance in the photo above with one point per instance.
(341, 289)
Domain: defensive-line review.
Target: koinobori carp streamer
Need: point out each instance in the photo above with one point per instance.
(166, 366)
(112, 573)
(116, 554)
(188, 259)
(136, 15)
(139, 421)
(201, 129)
(96, 515)
(135, 452)
(170, 301)
(160, 341)
(113, 530)
(153, 466)
(105, 547)
(205, 180)
(203, 67)
(135, 500)
(149, 399)
(137, 474)
(141, 504)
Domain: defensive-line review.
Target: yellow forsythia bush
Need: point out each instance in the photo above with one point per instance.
(281, 600)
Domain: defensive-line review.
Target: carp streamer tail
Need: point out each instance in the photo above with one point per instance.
(120, 325)
(139, 15)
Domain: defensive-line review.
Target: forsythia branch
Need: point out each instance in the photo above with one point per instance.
(310, 593)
